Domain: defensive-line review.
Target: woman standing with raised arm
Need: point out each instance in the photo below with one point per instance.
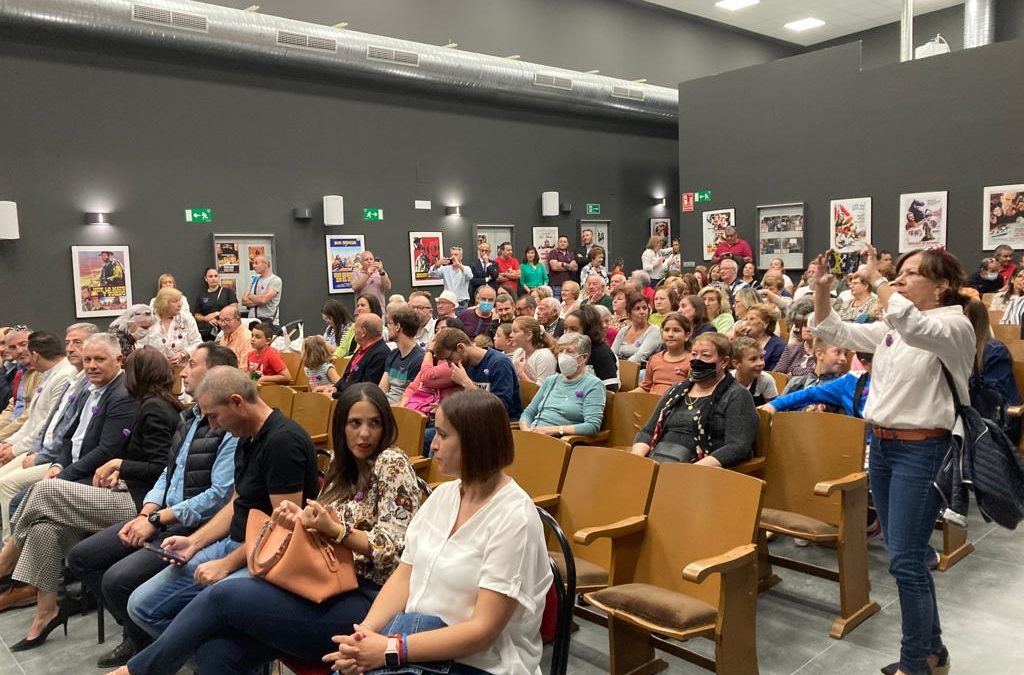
(911, 410)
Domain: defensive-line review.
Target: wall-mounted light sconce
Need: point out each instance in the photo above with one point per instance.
(302, 213)
(97, 218)
(8, 220)
(453, 210)
(663, 202)
(565, 207)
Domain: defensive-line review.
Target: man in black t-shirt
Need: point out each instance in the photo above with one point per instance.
(209, 303)
(275, 461)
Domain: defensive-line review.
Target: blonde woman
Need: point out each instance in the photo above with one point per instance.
(570, 298)
(175, 333)
(534, 357)
(166, 280)
(716, 302)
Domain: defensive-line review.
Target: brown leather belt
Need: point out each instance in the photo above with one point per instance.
(887, 434)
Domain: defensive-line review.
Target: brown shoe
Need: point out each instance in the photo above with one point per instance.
(17, 596)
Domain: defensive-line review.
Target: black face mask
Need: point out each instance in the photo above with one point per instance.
(702, 370)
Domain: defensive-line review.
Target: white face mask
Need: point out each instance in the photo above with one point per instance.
(567, 364)
(990, 276)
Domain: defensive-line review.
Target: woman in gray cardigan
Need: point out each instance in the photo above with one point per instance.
(708, 419)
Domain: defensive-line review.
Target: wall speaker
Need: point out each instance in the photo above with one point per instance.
(334, 210)
(302, 213)
(8, 220)
(549, 203)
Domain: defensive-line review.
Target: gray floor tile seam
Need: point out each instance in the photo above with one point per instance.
(10, 654)
(814, 658)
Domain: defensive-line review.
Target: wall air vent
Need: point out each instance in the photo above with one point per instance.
(628, 93)
(303, 41)
(388, 55)
(165, 17)
(552, 81)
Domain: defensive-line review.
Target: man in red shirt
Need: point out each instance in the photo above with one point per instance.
(1004, 255)
(508, 269)
(733, 246)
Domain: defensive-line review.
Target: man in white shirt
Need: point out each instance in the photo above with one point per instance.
(420, 301)
(264, 295)
(455, 275)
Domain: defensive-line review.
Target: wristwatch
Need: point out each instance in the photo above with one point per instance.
(391, 657)
(154, 520)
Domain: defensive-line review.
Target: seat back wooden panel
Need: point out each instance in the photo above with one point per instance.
(1005, 333)
(631, 411)
(341, 362)
(294, 362)
(629, 375)
(313, 412)
(540, 463)
(763, 438)
(411, 427)
(806, 448)
(278, 396)
(603, 486)
(527, 390)
(1018, 375)
(1016, 349)
(781, 380)
(696, 512)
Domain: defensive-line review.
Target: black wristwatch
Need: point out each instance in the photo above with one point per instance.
(392, 659)
(154, 520)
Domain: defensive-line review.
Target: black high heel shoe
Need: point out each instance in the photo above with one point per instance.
(26, 643)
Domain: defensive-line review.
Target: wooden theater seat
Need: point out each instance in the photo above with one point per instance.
(527, 390)
(278, 396)
(755, 465)
(294, 362)
(313, 413)
(539, 466)
(629, 375)
(412, 426)
(630, 413)
(602, 435)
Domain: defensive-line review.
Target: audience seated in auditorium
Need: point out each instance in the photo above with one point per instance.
(491, 623)
(104, 487)
(23, 385)
(337, 327)
(605, 366)
(235, 335)
(747, 272)
(569, 403)
(620, 317)
(534, 356)
(318, 364)
(829, 363)
(692, 307)
(195, 483)
(596, 292)
(368, 499)
(986, 279)
(480, 318)
(759, 323)
(419, 301)
(748, 369)
(132, 326)
(595, 265)
(504, 309)
(547, 316)
(671, 365)
(1011, 301)
(370, 358)
(798, 358)
(570, 298)
(666, 301)
(709, 419)
(402, 364)
(447, 304)
(174, 333)
(265, 365)
(502, 340)
(847, 393)
(275, 461)
(526, 305)
(862, 305)
(637, 341)
(210, 302)
(8, 368)
(478, 368)
(719, 311)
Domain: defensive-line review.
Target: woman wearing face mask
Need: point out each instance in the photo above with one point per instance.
(709, 419)
(987, 279)
(569, 403)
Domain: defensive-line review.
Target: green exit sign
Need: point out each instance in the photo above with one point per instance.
(702, 196)
(373, 214)
(593, 209)
(198, 215)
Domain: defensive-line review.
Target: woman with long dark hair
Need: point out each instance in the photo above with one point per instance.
(369, 496)
(338, 324)
(588, 321)
(534, 270)
(924, 337)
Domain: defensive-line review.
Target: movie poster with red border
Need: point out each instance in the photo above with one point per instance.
(424, 250)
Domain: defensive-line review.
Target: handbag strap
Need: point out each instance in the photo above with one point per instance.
(952, 387)
(262, 568)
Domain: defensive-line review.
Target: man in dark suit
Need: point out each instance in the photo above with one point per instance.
(367, 364)
(582, 253)
(106, 412)
(547, 316)
(485, 270)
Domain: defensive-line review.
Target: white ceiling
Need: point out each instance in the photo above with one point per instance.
(841, 17)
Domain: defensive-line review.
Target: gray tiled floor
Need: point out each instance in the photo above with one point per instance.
(980, 603)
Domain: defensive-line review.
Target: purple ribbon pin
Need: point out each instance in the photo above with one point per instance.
(126, 432)
(580, 393)
(359, 496)
(94, 409)
(888, 339)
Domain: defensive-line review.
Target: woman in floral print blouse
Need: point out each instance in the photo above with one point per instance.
(369, 496)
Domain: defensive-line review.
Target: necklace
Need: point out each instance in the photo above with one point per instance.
(691, 401)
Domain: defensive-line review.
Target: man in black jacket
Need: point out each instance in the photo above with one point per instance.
(196, 483)
(485, 270)
(367, 364)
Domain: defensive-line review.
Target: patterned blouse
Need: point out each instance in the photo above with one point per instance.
(384, 513)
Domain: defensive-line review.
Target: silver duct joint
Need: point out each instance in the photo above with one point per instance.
(261, 40)
(979, 23)
(907, 31)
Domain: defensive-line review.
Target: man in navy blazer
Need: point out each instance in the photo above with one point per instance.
(106, 412)
(485, 270)
(367, 364)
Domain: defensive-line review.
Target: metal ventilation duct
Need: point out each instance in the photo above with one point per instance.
(979, 23)
(221, 32)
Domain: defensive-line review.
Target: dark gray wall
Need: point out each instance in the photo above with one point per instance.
(824, 130)
(622, 39)
(882, 44)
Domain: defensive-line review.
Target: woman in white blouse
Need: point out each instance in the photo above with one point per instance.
(911, 410)
(175, 333)
(534, 357)
(475, 563)
(654, 259)
(1012, 300)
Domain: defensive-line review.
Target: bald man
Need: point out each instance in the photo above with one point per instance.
(367, 364)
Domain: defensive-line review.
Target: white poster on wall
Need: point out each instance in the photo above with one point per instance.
(713, 225)
(544, 239)
(850, 225)
(781, 235)
(1003, 216)
(922, 220)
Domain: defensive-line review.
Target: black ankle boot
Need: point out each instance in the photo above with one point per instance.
(119, 655)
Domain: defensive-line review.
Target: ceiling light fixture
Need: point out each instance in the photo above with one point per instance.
(642, 80)
(451, 45)
(733, 5)
(252, 8)
(805, 24)
(593, 72)
(513, 57)
(341, 24)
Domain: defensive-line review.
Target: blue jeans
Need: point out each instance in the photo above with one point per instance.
(239, 624)
(154, 604)
(408, 623)
(901, 474)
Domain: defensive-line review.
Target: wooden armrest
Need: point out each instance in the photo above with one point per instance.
(749, 466)
(855, 480)
(1015, 410)
(576, 439)
(419, 462)
(625, 526)
(698, 570)
(546, 501)
(318, 439)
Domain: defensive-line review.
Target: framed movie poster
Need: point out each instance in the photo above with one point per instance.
(424, 250)
(494, 235)
(342, 255)
(544, 239)
(922, 220)
(1003, 216)
(662, 227)
(601, 229)
(850, 225)
(713, 224)
(233, 256)
(103, 281)
(780, 230)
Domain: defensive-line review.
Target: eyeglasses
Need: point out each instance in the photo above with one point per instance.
(19, 328)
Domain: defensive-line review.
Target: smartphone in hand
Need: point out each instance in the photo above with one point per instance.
(164, 553)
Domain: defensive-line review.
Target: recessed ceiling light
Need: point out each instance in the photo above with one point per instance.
(513, 57)
(593, 72)
(733, 5)
(805, 24)
(341, 24)
(451, 44)
(252, 8)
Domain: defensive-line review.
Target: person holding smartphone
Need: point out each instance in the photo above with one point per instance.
(370, 278)
(454, 274)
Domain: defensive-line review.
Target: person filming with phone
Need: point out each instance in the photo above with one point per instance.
(455, 275)
(370, 278)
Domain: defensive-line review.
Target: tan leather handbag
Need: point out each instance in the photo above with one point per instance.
(299, 561)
